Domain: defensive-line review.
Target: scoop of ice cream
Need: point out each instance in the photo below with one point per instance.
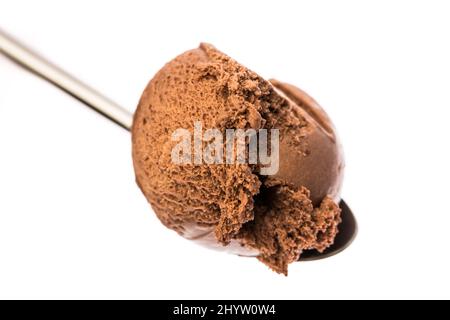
(232, 206)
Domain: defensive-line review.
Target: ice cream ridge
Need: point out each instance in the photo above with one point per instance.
(234, 207)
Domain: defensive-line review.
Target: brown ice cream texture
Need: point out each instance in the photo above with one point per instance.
(233, 207)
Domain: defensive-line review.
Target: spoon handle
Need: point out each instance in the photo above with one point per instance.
(66, 82)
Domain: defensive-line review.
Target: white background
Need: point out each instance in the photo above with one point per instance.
(73, 223)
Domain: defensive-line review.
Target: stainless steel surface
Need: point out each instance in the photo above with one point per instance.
(45, 69)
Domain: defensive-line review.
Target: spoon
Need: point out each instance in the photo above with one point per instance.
(36, 64)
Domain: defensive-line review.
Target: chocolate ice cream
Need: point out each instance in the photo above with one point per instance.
(233, 206)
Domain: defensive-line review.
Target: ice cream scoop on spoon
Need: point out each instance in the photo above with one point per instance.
(292, 212)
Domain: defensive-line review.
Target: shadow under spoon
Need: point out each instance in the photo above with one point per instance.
(41, 67)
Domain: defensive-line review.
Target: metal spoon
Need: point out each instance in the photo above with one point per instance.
(66, 82)
(31, 61)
